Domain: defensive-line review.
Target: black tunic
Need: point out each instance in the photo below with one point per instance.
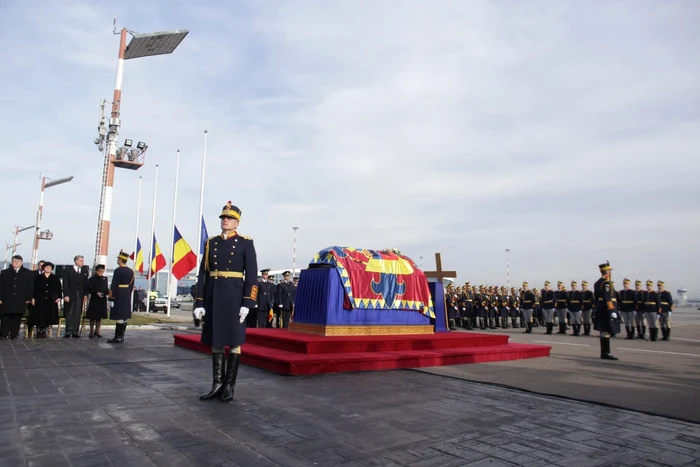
(605, 306)
(227, 280)
(97, 307)
(16, 290)
(46, 291)
(120, 293)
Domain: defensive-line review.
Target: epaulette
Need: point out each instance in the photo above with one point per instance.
(212, 238)
(245, 237)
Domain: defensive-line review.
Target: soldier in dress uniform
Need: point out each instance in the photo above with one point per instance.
(266, 300)
(639, 310)
(627, 302)
(575, 302)
(527, 305)
(226, 291)
(504, 307)
(561, 304)
(650, 305)
(665, 311)
(480, 299)
(514, 306)
(284, 299)
(548, 307)
(605, 313)
(587, 303)
(120, 297)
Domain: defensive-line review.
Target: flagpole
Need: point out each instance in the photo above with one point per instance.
(201, 201)
(136, 236)
(150, 254)
(172, 234)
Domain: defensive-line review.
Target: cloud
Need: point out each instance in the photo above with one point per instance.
(562, 131)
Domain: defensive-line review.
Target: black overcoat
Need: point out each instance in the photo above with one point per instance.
(604, 292)
(120, 293)
(46, 291)
(16, 290)
(97, 306)
(227, 280)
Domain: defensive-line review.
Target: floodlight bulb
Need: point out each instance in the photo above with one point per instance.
(142, 146)
(128, 142)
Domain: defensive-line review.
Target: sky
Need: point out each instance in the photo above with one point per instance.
(566, 132)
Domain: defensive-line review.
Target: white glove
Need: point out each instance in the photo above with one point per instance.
(243, 313)
(199, 313)
(613, 315)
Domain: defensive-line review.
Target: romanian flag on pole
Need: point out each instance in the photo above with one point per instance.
(138, 262)
(184, 259)
(158, 260)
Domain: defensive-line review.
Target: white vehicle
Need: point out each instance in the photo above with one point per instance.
(158, 302)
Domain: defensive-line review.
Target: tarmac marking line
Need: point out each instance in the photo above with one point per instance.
(662, 351)
(684, 339)
(562, 343)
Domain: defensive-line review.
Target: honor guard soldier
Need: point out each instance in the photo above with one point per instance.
(284, 300)
(651, 310)
(639, 310)
(665, 311)
(514, 305)
(266, 300)
(561, 303)
(527, 304)
(605, 312)
(548, 306)
(627, 304)
(226, 291)
(587, 304)
(120, 297)
(575, 303)
(468, 306)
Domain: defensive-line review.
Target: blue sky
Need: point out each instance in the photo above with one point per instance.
(566, 132)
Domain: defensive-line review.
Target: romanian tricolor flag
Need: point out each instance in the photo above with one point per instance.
(270, 315)
(138, 262)
(158, 260)
(184, 259)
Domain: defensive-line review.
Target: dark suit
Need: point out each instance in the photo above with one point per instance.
(75, 288)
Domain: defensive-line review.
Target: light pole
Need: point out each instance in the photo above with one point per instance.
(18, 229)
(45, 183)
(508, 270)
(141, 45)
(8, 248)
(294, 255)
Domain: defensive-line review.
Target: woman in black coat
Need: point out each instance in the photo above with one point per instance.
(47, 296)
(98, 290)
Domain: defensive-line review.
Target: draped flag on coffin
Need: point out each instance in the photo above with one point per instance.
(379, 279)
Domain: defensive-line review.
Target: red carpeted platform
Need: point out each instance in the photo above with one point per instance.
(292, 353)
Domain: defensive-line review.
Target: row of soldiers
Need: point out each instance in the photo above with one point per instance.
(492, 307)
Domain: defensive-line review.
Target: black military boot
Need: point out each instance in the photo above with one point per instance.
(630, 332)
(576, 327)
(217, 386)
(666, 332)
(528, 329)
(452, 324)
(644, 332)
(605, 349)
(234, 359)
(562, 328)
(653, 334)
(550, 327)
(118, 334)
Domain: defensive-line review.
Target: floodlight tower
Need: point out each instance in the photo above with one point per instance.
(141, 45)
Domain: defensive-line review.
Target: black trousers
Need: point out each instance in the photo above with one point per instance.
(262, 318)
(10, 325)
(286, 317)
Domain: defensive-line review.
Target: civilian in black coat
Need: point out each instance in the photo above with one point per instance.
(16, 290)
(98, 290)
(266, 298)
(285, 300)
(74, 295)
(47, 296)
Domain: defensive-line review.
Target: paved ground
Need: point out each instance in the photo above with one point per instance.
(81, 402)
(661, 378)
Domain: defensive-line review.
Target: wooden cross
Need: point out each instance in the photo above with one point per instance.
(439, 274)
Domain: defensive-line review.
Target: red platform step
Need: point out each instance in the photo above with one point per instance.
(292, 353)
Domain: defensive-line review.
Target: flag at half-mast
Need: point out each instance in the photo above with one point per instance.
(138, 261)
(184, 259)
(158, 260)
